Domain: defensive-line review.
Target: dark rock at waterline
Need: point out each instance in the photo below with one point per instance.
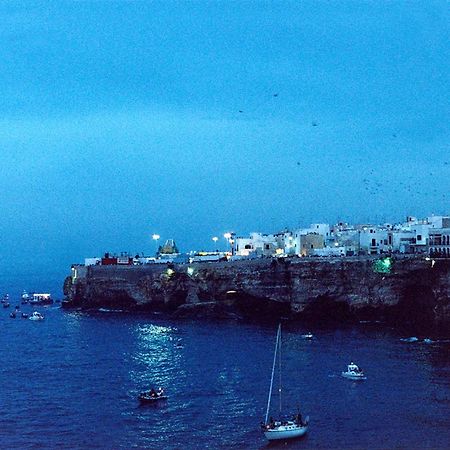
(206, 310)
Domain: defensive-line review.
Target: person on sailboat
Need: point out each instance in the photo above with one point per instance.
(152, 393)
(298, 419)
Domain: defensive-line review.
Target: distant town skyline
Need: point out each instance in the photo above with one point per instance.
(122, 119)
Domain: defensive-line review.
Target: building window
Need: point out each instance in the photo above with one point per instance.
(419, 237)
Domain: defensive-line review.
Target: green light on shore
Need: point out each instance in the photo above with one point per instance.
(383, 265)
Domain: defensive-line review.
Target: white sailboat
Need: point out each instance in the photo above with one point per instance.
(281, 429)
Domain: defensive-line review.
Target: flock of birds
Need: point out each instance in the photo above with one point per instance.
(417, 184)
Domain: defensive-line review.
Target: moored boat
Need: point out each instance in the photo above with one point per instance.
(36, 316)
(152, 396)
(41, 299)
(354, 372)
(25, 297)
(282, 429)
(307, 336)
(288, 429)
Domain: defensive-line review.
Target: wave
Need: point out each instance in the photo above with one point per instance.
(425, 340)
(106, 310)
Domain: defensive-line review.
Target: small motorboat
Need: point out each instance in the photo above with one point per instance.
(307, 336)
(354, 372)
(6, 305)
(410, 339)
(36, 316)
(12, 315)
(24, 315)
(5, 299)
(25, 297)
(152, 396)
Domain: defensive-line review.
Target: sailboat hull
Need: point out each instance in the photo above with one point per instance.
(285, 432)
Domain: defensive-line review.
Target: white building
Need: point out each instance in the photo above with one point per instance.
(439, 242)
(92, 261)
(330, 251)
(374, 240)
(258, 243)
(295, 243)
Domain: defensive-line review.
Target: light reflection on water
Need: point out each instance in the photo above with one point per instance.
(156, 356)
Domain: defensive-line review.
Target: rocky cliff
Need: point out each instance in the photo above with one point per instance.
(414, 292)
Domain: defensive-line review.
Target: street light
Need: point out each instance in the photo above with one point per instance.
(227, 236)
(230, 238)
(215, 239)
(156, 237)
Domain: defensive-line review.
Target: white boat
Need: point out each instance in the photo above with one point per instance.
(282, 429)
(41, 299)
(307, 336)
(410, 339)
(36, 316)
(354, 372)
(25, 297)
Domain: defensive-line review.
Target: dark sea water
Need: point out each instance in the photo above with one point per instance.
(71, 381)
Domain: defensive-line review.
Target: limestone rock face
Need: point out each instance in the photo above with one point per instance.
(416, 291)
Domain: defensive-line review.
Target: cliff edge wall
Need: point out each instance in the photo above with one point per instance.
(413, 291)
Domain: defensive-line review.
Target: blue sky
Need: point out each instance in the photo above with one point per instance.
(120, 119)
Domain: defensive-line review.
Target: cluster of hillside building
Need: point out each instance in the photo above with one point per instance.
(429, 236)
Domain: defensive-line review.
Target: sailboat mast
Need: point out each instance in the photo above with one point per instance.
(273, 372)
(279, 361)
